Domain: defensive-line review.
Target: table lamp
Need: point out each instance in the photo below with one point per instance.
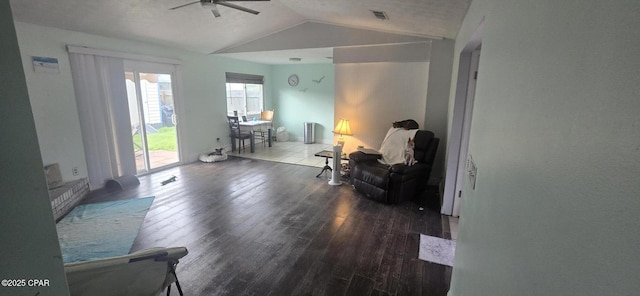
(342, 129)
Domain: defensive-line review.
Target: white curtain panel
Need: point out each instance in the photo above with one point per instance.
(101, 96)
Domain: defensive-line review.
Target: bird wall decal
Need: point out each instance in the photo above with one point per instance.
(319, 80)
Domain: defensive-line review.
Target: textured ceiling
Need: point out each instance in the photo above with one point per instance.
(194, 28)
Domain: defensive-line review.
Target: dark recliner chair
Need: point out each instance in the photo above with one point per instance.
(398, 182)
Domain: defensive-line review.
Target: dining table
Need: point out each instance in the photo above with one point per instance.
(251, 126)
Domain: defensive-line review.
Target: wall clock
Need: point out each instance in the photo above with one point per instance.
(293, 80)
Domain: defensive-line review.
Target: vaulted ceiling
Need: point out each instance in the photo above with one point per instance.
(194, 27)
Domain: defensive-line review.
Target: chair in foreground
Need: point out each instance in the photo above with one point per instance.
(147, 272)
(236, 133)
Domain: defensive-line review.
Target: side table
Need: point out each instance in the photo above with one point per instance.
(328, 154)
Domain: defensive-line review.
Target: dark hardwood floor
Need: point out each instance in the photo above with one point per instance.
(256, 227)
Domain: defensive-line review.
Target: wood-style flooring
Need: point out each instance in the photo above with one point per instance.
(256, 227)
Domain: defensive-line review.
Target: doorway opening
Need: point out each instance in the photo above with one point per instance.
(457, 154)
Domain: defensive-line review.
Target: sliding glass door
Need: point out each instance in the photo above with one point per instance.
(152, 111)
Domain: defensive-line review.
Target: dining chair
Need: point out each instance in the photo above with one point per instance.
(263, 131)
(236, 133)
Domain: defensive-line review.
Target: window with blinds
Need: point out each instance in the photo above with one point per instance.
(245, 96)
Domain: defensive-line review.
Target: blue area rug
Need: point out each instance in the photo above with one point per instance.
(100, 230)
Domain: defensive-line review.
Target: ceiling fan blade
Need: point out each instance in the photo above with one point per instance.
(215, 12)
(183, 5)
(224, 3)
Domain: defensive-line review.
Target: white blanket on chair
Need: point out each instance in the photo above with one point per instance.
(394, 143)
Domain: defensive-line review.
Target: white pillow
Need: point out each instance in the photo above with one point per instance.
(394, 143)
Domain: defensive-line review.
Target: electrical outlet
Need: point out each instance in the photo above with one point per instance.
(74, 171)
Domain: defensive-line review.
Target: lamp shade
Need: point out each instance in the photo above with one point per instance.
(343, 128)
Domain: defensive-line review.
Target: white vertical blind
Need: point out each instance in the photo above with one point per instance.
(103, 110)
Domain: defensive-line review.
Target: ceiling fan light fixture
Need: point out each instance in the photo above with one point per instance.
(381, 15)
(215, 11)
(211, 5)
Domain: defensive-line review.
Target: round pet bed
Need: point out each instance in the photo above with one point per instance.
(212, 157)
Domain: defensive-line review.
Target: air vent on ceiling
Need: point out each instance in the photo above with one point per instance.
(295, 59)
(381, 15)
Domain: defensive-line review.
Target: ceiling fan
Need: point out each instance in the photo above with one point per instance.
(211, 4)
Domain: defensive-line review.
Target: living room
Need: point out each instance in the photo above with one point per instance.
(359, 94)
(555, 139)
(201, 103)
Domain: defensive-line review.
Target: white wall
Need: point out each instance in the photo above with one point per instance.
(374, 95)
(30, 248)
(307, 102)
(201, 105)
(556, 139)
(408, 81)
(53, 101)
